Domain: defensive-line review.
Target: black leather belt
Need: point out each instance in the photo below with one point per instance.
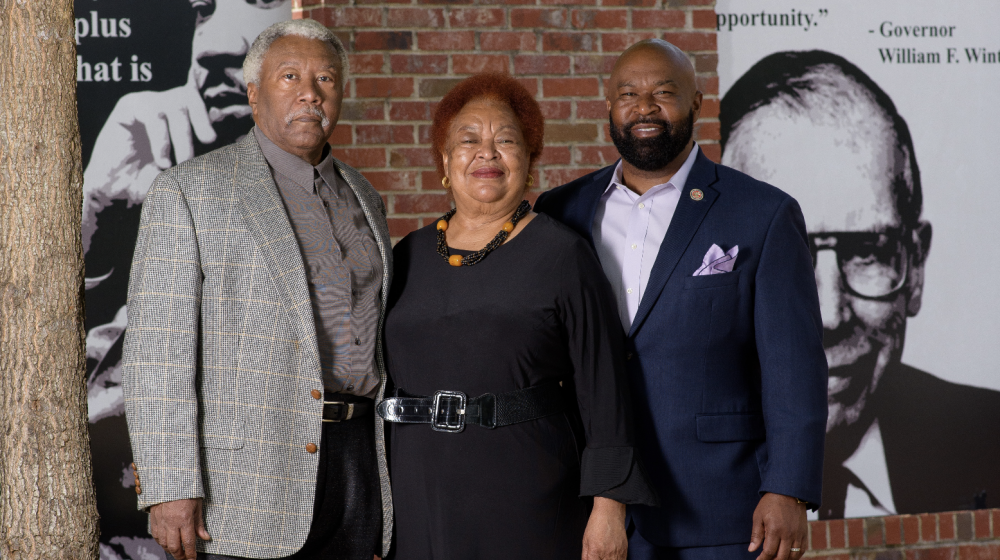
(341, 410)
(451, 411)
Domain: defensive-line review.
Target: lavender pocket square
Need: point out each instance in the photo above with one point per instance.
(716, 261)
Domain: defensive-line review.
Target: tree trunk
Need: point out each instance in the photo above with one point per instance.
(47, 504)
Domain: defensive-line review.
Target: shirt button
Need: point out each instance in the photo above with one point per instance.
(641, 205)
(311, 447)
(357, 341)
(350, 387)
(316, 394)
(629, 291)
(634, 245)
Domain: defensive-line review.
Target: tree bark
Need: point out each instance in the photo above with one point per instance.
(47, 502)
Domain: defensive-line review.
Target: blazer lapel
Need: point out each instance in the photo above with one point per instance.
(264, 214)
(686, 220)
(591, 197)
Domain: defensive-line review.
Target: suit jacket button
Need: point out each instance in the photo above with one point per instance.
(311, 447)
(316, 394)
(628, 356)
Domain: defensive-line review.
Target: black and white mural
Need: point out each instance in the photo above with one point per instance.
(158, 82)
(881, 119)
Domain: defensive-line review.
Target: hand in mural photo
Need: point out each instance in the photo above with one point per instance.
(147, 132)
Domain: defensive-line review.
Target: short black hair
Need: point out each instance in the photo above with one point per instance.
(790, 75)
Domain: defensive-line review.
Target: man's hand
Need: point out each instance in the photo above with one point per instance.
(175, 526)
(135, 143)
(605, 537)
(780, 523)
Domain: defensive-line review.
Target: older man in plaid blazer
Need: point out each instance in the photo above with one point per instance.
(252, 360)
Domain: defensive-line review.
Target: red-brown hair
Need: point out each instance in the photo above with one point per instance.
(497, 87)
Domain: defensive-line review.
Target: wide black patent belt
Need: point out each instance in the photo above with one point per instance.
(451, 411)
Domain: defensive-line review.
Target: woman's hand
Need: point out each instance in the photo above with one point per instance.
(605, 537)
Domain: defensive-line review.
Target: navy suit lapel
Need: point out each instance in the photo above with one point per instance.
(686, 220)
(591, 197)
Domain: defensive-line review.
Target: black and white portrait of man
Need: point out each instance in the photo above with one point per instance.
(145, 133)
(899, 439)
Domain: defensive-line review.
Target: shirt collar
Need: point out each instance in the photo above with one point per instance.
(869, 465)
(677, 181)
(295, 168)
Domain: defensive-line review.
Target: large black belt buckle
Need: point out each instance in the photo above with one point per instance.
(448, 414)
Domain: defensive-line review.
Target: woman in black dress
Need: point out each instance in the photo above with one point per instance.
(508, 344)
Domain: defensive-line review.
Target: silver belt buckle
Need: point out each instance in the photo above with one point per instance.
(446, 404)
(350, 410)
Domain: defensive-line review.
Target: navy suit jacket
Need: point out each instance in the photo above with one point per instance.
(728, 372)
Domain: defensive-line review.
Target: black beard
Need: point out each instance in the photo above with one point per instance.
(652, 154)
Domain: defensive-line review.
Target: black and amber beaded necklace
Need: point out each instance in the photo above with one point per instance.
(469, 260)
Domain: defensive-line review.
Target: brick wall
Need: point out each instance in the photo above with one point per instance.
(963, 535)
(406, 54)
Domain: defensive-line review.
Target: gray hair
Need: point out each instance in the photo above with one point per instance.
(308, 28)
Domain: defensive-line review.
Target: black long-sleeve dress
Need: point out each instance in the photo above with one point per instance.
(537, 309)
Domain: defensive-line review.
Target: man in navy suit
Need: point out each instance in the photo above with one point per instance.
(725, 355)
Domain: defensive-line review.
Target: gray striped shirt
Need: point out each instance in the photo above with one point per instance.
(342, 263)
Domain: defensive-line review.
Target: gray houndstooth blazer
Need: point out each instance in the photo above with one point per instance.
(220, 353)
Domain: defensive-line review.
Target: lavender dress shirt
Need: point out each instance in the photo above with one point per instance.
(628, 230)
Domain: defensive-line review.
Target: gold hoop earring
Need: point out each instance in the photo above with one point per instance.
(530, 182)
(445, 182)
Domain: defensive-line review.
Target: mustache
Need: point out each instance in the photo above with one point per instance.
(308, 110)
(628, 127)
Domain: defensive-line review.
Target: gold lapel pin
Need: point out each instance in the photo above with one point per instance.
(696, 194)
